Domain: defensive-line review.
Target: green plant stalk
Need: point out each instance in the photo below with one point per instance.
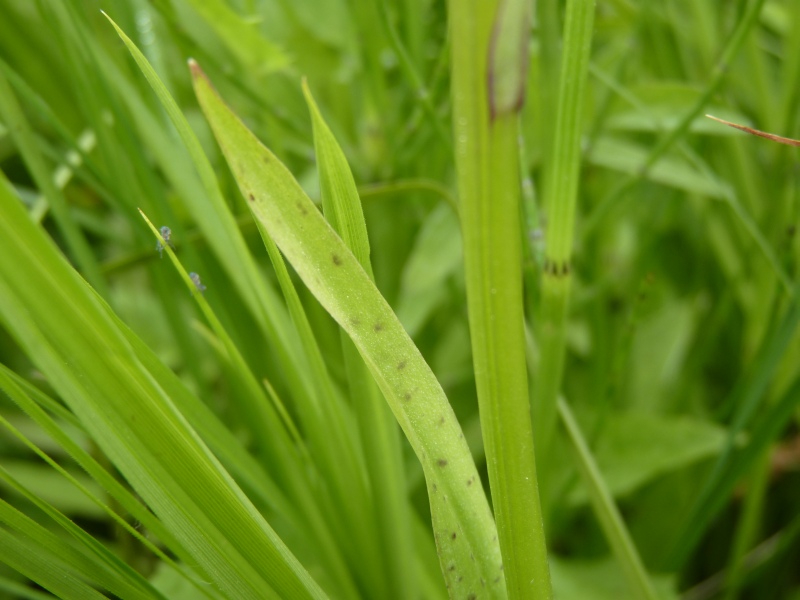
(488, 82)
(606, 510)
(560, 199)
(334, 275)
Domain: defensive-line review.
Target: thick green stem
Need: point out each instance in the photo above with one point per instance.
(488, 79)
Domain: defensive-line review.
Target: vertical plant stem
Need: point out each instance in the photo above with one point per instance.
(606, 510)
(488, 82)
(747, 528)
(560, 201)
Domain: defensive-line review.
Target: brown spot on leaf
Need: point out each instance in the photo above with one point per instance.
(378, 327)
(251, 197)
(442, 462)
(453, 535)
(401, 365)
(336, 259)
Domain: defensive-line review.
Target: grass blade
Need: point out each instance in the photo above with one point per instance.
(86, 357)
(341, 285)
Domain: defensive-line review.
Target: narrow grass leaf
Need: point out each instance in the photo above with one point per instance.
(381, 444)
(281, 454)
(38, 564)
(87, 359)
(88, 556)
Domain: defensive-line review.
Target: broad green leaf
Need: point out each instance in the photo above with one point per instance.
(627, 157)
(77, 345)
(599, 580)
(338, 281)
(635, 448)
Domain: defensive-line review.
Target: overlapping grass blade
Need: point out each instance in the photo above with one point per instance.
(341, 285)
(342, 208)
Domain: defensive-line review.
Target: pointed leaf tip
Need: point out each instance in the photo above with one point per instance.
(195, 68)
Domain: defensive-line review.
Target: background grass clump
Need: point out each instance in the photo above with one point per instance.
(307, 426)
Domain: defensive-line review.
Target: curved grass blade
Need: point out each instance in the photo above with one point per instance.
(344, 289)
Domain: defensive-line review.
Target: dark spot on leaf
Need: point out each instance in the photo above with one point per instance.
(470, 481)
(336, 260)
(442, 462)
(252, 197)
(303, 210)
(452, 567)
(378, 327)
(435, 487)
(265, 158)
(407, 396)
(460, 578)
(472, 597)
(496, 579)
(401, 365)
(355, 322)
(441, 421)
(453, 535)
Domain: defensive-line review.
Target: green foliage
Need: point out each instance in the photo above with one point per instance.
(395, 270)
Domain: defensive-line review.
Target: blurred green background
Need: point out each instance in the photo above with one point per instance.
(683, 350)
